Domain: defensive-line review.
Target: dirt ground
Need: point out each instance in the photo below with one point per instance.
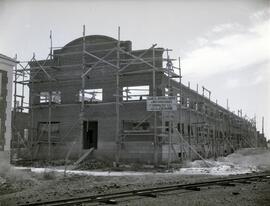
(49, 187)
(42, 187)
(23, 186)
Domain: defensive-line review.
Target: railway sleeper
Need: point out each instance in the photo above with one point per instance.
(150, 194)
(192, 188)
(254, 179)
(242, 182)
(263, 180)
(109, 201)
(226, 184)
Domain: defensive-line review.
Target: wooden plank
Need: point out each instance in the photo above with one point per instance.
(84, 156)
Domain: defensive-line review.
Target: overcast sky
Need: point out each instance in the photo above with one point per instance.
(224, 45)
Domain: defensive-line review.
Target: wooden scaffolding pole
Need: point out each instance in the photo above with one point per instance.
(189, 124)
(117, 131)
(31, 103)
(180, 109)
(82, 90)
(15, 105)
(169, 68)
(50, 109)
(155, 113)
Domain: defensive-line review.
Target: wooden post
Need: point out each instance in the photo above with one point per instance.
(170, 113)
(83, 68)
(117, 140)
(189, 132)
(15, 107)
(50, 109)
(180, 109)
(155, 113)
(50, 125)
(82, 93)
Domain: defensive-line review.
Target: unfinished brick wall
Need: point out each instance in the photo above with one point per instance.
(69, 133)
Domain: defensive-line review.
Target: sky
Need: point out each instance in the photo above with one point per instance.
(223, 45)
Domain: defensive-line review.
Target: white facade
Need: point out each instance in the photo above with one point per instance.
(7, 64)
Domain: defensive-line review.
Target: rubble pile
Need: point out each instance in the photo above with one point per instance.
(92, 165)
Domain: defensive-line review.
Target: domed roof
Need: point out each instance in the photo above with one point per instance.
(91, 39)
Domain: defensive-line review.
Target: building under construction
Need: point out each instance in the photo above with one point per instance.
(91, 98)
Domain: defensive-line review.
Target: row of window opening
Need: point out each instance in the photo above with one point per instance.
(133, 93)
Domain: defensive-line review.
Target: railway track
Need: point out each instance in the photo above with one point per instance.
(111, 198)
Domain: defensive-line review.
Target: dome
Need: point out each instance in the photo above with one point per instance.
(92, 39)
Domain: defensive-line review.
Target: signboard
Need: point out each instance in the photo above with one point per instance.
(161, 103)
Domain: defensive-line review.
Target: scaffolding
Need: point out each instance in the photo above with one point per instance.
(26, 74)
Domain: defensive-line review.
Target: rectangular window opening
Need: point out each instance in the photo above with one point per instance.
(55, 97)
(188, 102)
(166, 92)
(183, 128)
(135, 126)
(26, 134)
(135, 93)
(178, 127)
(178, 98)
(91, 95)
(167, 126)
(183, 101)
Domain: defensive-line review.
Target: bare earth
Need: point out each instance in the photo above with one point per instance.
(22, 187)
(256, 193)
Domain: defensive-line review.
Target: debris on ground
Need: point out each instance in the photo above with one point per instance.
(21, 184)
(241, 162)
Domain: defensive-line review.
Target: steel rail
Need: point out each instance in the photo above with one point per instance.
(151, 192)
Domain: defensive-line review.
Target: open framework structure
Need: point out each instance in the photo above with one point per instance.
(89, 98)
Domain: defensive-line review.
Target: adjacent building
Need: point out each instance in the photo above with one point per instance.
(6, 69)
